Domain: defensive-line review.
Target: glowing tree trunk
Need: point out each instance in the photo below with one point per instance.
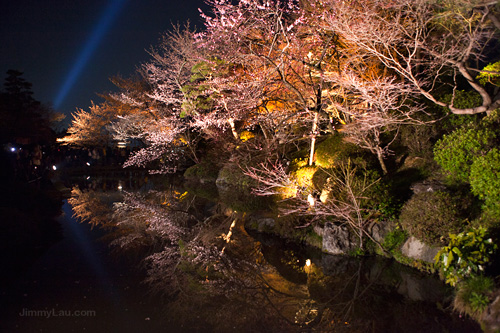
(313, 138)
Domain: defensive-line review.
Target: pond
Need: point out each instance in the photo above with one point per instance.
(146, 254)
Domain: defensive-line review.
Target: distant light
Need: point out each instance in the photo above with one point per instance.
(120, 187)
(88, 177)
(308, 262)
(13, 149)
(88, 163)
(54, 168)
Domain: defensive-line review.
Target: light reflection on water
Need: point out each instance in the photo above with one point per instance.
(184, 261)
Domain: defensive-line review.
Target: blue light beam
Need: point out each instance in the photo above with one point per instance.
(98, 33)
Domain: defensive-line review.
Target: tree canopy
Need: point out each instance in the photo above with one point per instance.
(22, 118)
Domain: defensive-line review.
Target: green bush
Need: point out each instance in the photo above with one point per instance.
(455, 152)
(485, 180)
(469, 155)
(466, 255)
(462, 100)
(431, 216)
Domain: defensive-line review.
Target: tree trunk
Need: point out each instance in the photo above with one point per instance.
(233, 128)
(380, 158)
(313, 138)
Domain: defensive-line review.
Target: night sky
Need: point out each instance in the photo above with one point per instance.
(69, 49)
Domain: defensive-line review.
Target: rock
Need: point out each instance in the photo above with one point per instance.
(266, 224)
(318, 230)
(410, 162)
(427, 186)
(336, 239)
(261, 224)
(490, 319)
(379, 230)
(232, 176)
(415, 249)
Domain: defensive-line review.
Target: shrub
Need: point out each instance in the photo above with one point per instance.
(473, 295)
(431, 216)
(456, 151)
(232, 175)
(485, 180)
(462, 100)
(466, 255)
(490, 74)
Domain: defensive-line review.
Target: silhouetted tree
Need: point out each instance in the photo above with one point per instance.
(22, 118)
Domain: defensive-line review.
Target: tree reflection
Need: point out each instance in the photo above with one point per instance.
(214, 276)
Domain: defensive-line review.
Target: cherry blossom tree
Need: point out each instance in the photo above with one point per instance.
(278, 54)
(306, 71)
(162, 125)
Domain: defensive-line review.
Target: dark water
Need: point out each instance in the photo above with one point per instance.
(153, 257)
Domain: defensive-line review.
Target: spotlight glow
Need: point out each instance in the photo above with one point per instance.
(98, 33)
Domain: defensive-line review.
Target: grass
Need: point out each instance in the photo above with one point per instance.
(473, 296)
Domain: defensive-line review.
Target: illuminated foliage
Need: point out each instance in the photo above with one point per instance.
(90, 128)
(466, 255)
(456, 151)
(485, 180)
(490, 74)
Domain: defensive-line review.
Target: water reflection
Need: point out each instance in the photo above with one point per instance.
(215, 276)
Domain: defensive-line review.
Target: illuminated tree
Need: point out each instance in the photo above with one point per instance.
(347, 196)
(375, 108)
(89, 128)
(100, 125)
(276, 55)
(307, 73)
(162, 125)
(426, 44)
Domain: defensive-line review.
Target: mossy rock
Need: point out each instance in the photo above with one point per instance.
(333, 149)
(232, 175)
(203, 172)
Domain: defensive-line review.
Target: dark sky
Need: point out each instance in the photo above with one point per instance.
(45, 39)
